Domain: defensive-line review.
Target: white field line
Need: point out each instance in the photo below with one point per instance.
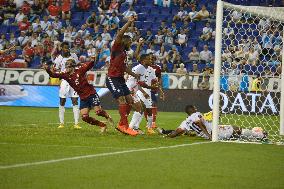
(97, 155)
(58, 145)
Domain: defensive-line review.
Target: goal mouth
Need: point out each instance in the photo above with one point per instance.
(249, 86)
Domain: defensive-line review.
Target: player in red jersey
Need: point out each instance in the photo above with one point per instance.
(154, 93)
(89, 99)
(115, 81)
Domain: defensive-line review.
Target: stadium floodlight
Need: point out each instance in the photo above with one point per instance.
(248, 85)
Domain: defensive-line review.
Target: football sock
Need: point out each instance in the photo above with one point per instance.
(166, 132)
(92, 121)
(154, 113)
(149, 121)
(135, 118)
(136, 126)
(61, 114)
(128, 110)
(76, 113)
(102, 113)
(122, 108)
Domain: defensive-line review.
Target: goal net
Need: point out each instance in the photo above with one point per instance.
(248, 56)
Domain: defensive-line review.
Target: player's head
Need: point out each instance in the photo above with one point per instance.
(65, 49)
(126, 42)
(145, 59)
(70, 65)
(190, 109)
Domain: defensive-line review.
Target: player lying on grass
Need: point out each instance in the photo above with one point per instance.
(197, 123)
(89, 99)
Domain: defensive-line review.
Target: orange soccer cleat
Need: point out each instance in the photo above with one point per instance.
(131, 132)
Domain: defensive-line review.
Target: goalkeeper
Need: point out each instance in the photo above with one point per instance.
(201, 125)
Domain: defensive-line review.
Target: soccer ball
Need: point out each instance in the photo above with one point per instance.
(257, 132)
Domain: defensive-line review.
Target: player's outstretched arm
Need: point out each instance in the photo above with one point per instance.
(51, 72)
(203, 128)
(124, 28)
(138, 49)
(130, 72)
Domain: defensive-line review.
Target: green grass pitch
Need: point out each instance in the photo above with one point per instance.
(30, 135)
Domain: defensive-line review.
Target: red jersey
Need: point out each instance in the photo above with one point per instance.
(158, 70)
(24, 25)
(77, 80)
(53, 10)
(117, 61)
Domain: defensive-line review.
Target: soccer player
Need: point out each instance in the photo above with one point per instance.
(66, 90)
(135, 86)
(144, 95)
(115, 81)
(197, 123)
(89, 99)
(154, 93)
(158, 80)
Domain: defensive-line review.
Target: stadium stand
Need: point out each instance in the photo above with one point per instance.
(150, 17)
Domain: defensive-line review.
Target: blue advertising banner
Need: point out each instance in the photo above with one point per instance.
(36, 96)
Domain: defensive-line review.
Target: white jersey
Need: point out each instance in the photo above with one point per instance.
(189, 124)
(131, 82)
(60, 61)
(224, 131)
(149, 77)
(65, 89)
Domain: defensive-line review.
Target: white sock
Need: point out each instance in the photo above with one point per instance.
(76, 113)
(149, 122)
(136, 126)
(135, 118)
(61, 114)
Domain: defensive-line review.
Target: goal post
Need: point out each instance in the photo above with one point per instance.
(248, 88)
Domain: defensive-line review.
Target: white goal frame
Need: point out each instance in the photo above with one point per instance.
(274, 12)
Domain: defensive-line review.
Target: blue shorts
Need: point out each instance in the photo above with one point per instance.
(154, 97)
(117, 87)
(90, 102)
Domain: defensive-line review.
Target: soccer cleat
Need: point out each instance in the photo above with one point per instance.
(76, 126)
(131, 132)
(110, 121)
(60, 126)
(150, 131)
(121, 128)
(103, 129)
(140, 132)
(160, 130)
(154, 126)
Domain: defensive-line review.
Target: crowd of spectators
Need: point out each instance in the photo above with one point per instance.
(180, 33)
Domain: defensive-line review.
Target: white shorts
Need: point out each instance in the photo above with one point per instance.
(147, 101)
(225, 132)
(66, 91)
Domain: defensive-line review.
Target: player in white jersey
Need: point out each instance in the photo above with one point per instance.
(139, 91)
(144, 95)
(66, 90)
(196, 122)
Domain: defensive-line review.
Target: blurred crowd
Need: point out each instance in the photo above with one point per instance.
(180, 33)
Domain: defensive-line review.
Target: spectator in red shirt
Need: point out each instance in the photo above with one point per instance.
(26, 8)
(84, 4)
(53, 10)
(79, 40)
(113, 7)
(28, 52)
(24, 24)
(66, 7)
